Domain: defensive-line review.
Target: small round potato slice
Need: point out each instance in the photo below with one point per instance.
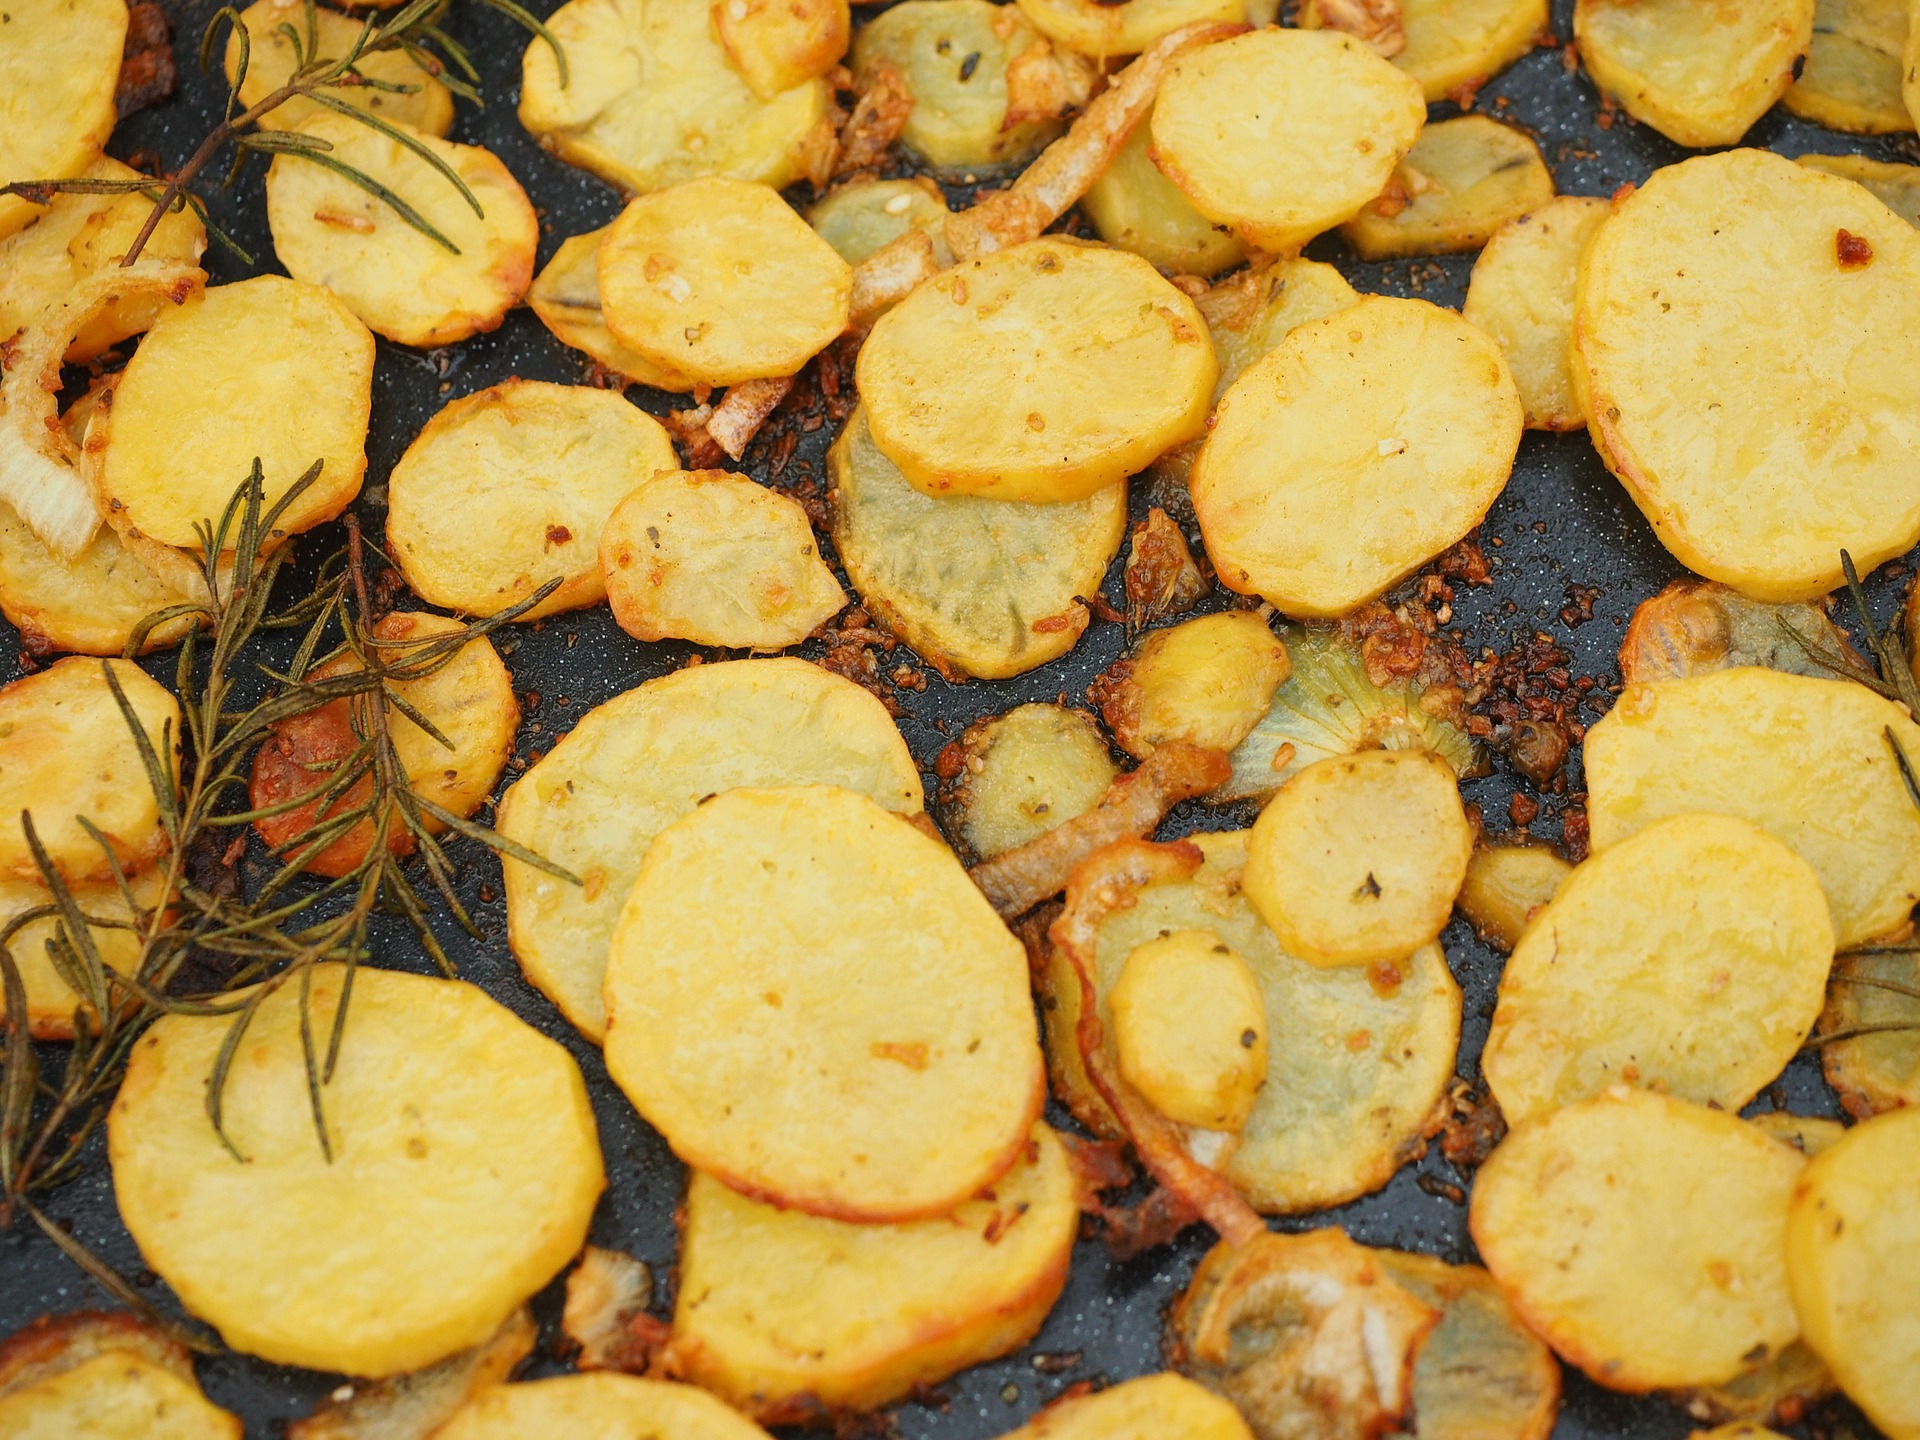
(117, 1395)
(1639, 1235)
(778, 1312)
(1691, 958)
(1137, 208)
(1754, 481)
(58, 71)
(1358, 859)
(718, 559)
(1506, 885)
(1853, 1260)
(1104, 30)
(977, 586)
(1895, 186)
(1044, 372)
(1878, 1069)
(1455, 43)
(1190, 1030)
(603, 1403)
(1207, 681)
(90, 605)
(298, 368)
(1462, 180)
(509, 488)
(566, 297)
(1359, 448)
(463, 1173)
(865, 215)
(720, 281)
(1700, 75)
(271, 61)
(66, 754)
(778, 44)
(50, 1001)
(1282, 134)
(1025, 773)
(1852, 77)
(641, 761)
(812, 1048)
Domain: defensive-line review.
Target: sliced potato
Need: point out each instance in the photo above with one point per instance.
(1506, 886)
(644, 759)
(91, 605)
(566, 297)
(1320, 486)
(812, 1048)
(604, 1405)
(1110, 363)
(1896, 186)
(1806, 760)
(1151, 1407)
(1455, 43)
(1190, 1030)
(58, 71)
(1696, 626)
(1852, 77)
(650, 99)
(50, 1000)
(1758, 481)
(1025, 772)
(1462, 180)
(426, 104)
(1103, 30)
(413, 1406)
(115, 1396)
(864, 215)
(976, 585)
(1879, 1069)
(405, 285)
(1639, 1234)
(1910, 64)
(1137, 208)
(781, 1313)
(1282, 134)
(1207, 681)
(778, 44)
(51, 1345)
(1699, 74)
(464, 1169)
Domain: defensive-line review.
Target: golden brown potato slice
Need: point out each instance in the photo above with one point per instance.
(405, 285)
(718, 559)
(778, 44)
(415, 1405)
(51, 1345)
(782, 1313)
(1137, 208)
(1455, 43)
(301, 368)
(50, 1000)
(976, 585)
(1699, 74)
(1809, 1134)
(720, 281)
(1879, 1069)
(644, 759)
(810, 1048)
(1103, 30)
(1025, 772)
(1359, 448)
(271, 61)
(1207, 681)
(464, 1169)
(115, 1396)
(1282, 134)
(1151, 1407)
(1190, 1030)
(1639, 1235)
(1895, 186)
(91, 605)
(1806, 760)
(1506, 886)
(1696, 626)
(509, 488)
(1752, 482)
(864, 215)
(1910, 63)
(618, 1407)
(936, 376)
(650, 99)
(1691, 959)
(1462, 180)
(1852, 77)
(566, 297)
(58, 71)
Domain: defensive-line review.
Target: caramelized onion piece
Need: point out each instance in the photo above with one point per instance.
(606, 1312)
(739, 416)
(1696, 626)
(414, 1406)
(1377, 24)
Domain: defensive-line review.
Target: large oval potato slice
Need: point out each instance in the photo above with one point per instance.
(1852, 77)
(1137, 208)
(1455, 43)
(1690, 958)
(1363, 445)
(1786, 451)
(1044, 372)
(1023, 774)
(1152, 1407)
(1878, 1069)
(58, 71)
(1282, 134)
(1895, 186)
(464, 1170)
(50, 1000)
(1462, 180)
(977, 586)
(1699, 74)
(271, 61)
(641, 761)
(1639, 1235)
(781, 1313)
(566, 297)
(1806, 760)
(1104, 30)
(90, 605)
(115, 1396)
(604, 1405)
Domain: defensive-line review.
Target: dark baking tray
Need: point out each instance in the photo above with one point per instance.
(1561, 523)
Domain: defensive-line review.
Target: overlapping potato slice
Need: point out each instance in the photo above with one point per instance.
(1207, 681)
(1896, 186)
(1696, 626)
(1910, 64)
(1462, 180)
(1044, 372)
(1455, 43)
(604, 1404)
(1700, 75)
(1785, 452)
(1364, 444)
(566, 297)
(1103, 30)
(1357, 1063)
(650, 99)
(644, 759)
(91, 605)
(1190, 1030)
(462, 1173)
(115, 1396)
(50, 1000)
(778, 44)
(425, 104)
(1505, 886)
(1522, 293)
(408, 286)
(1282, 134)
(50, 1345)
(268, 369)
(1806, 760)
(1148, 1408)
(1690, 958)
(785, 1314)
(864, 215)
(1851, 80)
(976, 585)
(58, 71)
(1023, 773)
(1639, 1235)
(718, 559)
(1137, 208)
(1879, 1069)
(413, 1406)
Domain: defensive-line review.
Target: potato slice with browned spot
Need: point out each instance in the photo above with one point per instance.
(1207, 681)
(50, 1000)
(1023, 773)
(425, 104)
(1190, 1030)
(1151, 1407)
(1462, 180)
(566, 297)
(1505, 887)
(90, 605)
(778, 44)
(1456, 43)
(58, 71)
(116, 1395)
(1852, 77)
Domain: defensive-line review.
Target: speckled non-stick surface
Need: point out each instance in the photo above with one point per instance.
(1562, 522)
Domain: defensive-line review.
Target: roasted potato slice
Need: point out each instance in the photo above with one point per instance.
(58, 71)
(1895, 186)
(641, 761)
(782, 1313)
(1025, 772)
(414, 1406)
(1207, 681)
(1691, 959)
(566, 297)
(1506, 885)
(50, 1000)
(1455, 43)
(1364, 444)
(117, 1395)
(1190, 1030)
(91, 605)
(464, 1167)
(1806, 760)
(1910, 63)
(1699, 74)
(1150, 1407)
(1694, 627)
(1282, 134)
(1751, 482)
(936, 375)
(1462, 180)
(602, 1404)
(1852, 77)
(1137, 208)
(778, 44)
(1104, 31)
(651, 100)
(1878, 1069)
(426, 105)
(1639, 1235)
(718, 559)
(864, 215)
(51, 1345)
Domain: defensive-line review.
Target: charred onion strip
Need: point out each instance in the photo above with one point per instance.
(888, 275)
(745, 408)
(1377, 24)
